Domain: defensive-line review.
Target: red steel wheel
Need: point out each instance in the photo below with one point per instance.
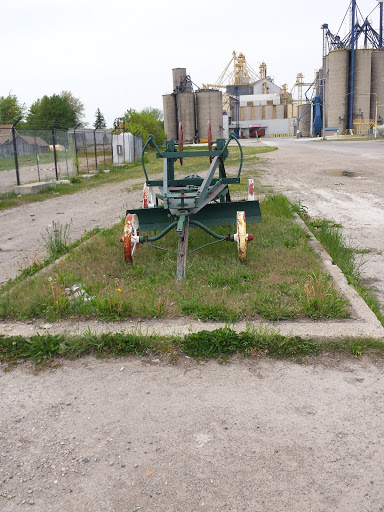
(210, 144)
(181, 141)
(131, 236)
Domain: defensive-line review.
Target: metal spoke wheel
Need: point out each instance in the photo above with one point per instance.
(148, 197)
(242, 237)
(131, 236)
(210, 144)
(181, 141)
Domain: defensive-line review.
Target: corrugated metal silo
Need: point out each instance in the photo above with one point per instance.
(186, 114)
(178, 75)
(336, 92)
(377, 84)
(362, 84)
(305, 121)
(210, 108)
(170, 120)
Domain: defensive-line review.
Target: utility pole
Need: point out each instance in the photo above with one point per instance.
(351, 80)
(324, 72)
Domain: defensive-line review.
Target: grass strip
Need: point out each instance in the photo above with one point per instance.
(344, 256)
(219, 344)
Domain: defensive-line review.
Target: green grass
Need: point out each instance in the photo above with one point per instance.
(220, 344)
(282, 279)
(343, 255)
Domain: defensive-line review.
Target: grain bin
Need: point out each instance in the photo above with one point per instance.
(377, 84)
(209, 108)
(304, 125)
(170, 119)
(178, 75)
(186, 114)
(336, 89)
(362, 84)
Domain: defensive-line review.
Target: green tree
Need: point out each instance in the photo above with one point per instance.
(99, 121)
(149, 120)
(76, 105)
(44, 112)
(10, 109)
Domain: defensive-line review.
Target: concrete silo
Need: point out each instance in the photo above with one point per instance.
(178, 75)
(209, 108)
(362, 84)
(336, 94)
(170, 118)
(304, 125)
(185, 102)
(377, 85)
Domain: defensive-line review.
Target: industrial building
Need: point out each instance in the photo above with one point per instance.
(345, 96)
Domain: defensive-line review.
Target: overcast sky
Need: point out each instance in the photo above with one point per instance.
(120, 54)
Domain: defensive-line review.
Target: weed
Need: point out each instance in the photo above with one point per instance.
(56, 239)
(217, 312)
(344, 256)
(319, 298)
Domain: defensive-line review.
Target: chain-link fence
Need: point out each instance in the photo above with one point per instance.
(93, 149)
(28, 156)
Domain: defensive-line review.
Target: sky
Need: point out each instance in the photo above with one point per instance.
(119, 55)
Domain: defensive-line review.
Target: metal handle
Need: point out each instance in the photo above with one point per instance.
(150, 139)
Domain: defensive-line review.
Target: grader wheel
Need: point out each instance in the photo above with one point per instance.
(242, 237)
(131, 236)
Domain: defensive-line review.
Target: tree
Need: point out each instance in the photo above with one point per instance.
(46, 111)
(147, 121)
(99, 121)
(10, 109)
(76, 105)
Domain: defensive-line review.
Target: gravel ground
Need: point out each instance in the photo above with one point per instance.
(140, 434)
(120, 435)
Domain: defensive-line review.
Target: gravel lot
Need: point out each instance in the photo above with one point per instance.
(120, 435)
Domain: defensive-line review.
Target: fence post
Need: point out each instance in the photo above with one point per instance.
(76, 157)
(54, 147)
(15, 150)
(94, 142)
(112, 143)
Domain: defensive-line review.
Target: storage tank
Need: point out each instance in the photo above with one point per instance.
(170, 119)
(336, 89)
(377, 84)
(210, 108)
(178, 75)
(362, 84)
(186, 114)
(304, 124)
